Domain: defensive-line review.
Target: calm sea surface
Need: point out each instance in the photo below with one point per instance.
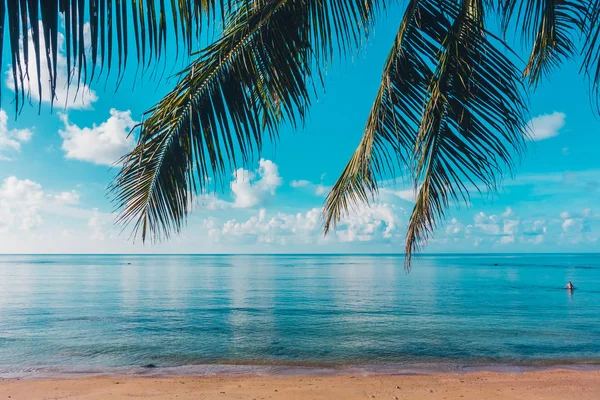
(289, 314)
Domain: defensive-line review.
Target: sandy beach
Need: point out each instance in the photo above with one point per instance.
(557, 384)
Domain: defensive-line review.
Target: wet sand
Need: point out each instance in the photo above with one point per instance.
(557, 384)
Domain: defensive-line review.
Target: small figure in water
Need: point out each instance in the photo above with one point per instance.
(569, 286)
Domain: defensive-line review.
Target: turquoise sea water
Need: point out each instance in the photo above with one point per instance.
(292, 314)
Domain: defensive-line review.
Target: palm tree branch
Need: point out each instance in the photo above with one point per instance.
(471, 125)
(357, 183)
(258, 74)
(550, 25)
(108, 22)
(591, 51)
(449, 111)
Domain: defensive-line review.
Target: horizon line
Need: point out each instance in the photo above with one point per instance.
(301, 254)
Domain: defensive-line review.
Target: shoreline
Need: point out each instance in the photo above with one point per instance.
(300, 370)
(553, 384)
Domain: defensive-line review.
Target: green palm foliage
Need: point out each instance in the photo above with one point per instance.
(108, 22)
(449, 114)
(256, 76)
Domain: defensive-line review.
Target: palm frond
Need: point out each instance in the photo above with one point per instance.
(258, 74)
(392, 124)
(591, 51)
(449, 109)
(550, 25)
(109, 23)
(471, 126)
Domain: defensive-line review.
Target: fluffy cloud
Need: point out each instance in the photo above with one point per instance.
(505, 228)
(546, 126)
(300, 183)
(511, 226)
(209, 201)
(249, 188)
(66, 96)
(280, 229)
(488, 225)
(96, 224)
(11, 139)
(580, 227)
(319, 189)
(101, 144)
(20, 201)
(534, 231)
(571, 225)
(409, 195)
(378, 222)
(67, 198)
(454, 227)
(508, 228)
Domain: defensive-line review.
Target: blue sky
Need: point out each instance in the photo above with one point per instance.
(55, 166)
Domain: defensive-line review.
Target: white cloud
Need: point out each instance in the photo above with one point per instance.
(24, 202)
(546, 126)
(300, 183)
(506, 228)
(508, 213)
(210, 201)
(535, 227)
(96, 224)
(11, 139)
(488, 225)
(65, 96)
(534, 231)
(583, 228)
(280, 229)
(20, 201)
(570, 225)
(378, 222)
(319, 189)
(367, 223)
(249, 189)
(511, 226)
(535, 239)
(454, 227)
(102, 144)
(67, 198)
(503, 228)
(409, 195)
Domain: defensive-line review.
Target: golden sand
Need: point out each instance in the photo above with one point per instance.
(557, 384)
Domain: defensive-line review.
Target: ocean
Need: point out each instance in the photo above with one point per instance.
(295, 314)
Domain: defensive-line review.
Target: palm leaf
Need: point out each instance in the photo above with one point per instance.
(257, 75)
(450, 109)
(395, 115)
(550, 25)
(109, 22)
(591, 50)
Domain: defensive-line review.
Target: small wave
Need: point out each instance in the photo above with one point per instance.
(529, 265)
(307, 369)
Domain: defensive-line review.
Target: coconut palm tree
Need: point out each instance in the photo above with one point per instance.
(449, 113)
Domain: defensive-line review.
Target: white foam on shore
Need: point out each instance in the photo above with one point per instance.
(291, 370)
